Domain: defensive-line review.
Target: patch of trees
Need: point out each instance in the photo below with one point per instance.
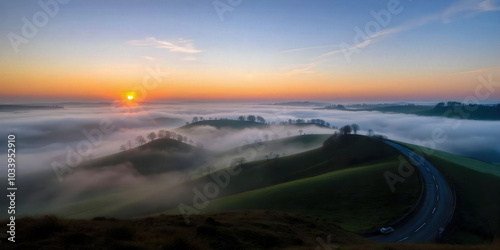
(141, 140)
(336, 106)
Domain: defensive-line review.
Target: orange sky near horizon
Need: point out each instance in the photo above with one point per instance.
(112, 82)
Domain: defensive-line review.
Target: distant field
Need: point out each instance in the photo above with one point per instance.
(480, 112)
(477, 183)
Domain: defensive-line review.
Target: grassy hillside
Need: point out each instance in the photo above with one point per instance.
(157, 156)
(259, 151)
(336, 190)
(477, 184)
(348, 151)
(357, 199)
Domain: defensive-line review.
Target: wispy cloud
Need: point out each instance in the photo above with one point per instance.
(181, 45)
(461, 8)
(304, 69)
(307, 48)
(149, 58)
(468, 7)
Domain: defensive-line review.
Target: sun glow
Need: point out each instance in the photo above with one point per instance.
(130, 97)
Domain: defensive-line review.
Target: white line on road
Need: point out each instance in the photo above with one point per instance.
(428, 169)
(403, 239)
(437, 198)
(433, 177)
(433, 210)
(437, 187)
(420, 227)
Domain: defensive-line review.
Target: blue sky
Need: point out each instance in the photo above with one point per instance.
(263, 39)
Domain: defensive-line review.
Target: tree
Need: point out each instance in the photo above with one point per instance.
(355, 128)
(251, 118)
(266, 136)
(152, 136)
(123, 148)
(140, 139)
(261, 119)
(200, 145)
(345, 130)
(129, 143)
(241, 118)
(161, 133)
(370, 132)
(195, 119)
(184, 139)
(167, 134)
(179, 137)
(300, 131)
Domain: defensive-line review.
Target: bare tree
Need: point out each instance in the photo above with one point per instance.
(123, 147)
(300, 131)
(140, 139)
(355, 128)
(161, 133)
(370, 132)
(152, 136)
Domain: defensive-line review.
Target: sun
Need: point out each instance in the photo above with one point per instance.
(130, 97)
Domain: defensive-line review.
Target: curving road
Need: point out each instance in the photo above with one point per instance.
(436, 208)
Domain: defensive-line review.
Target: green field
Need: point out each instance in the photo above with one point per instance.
(357, 199)
(345, 183)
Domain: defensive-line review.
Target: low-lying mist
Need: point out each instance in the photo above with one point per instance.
(47, 136)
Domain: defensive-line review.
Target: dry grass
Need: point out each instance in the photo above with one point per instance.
(232, 230)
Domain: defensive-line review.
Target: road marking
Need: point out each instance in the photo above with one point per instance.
(428, 169)
(420, 227)
(437, 187)
(403, 239)
(433, 210)
(433, 177)
(438, 198)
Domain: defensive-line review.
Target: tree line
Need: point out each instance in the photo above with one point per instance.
(140, 140)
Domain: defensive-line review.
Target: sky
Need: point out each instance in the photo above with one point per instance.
(242, 49)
